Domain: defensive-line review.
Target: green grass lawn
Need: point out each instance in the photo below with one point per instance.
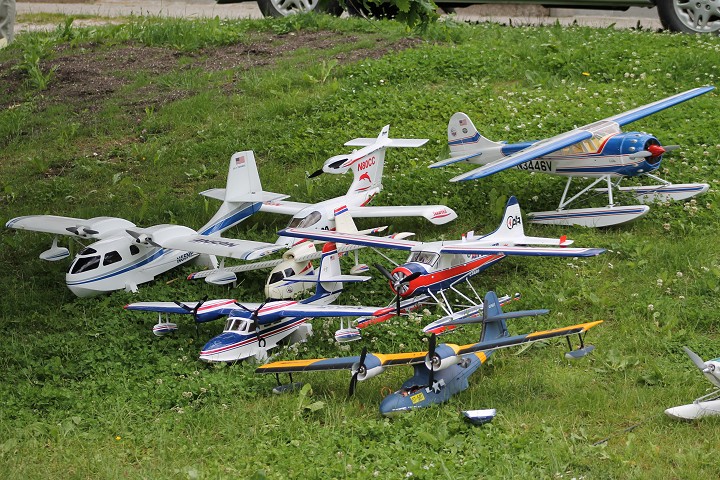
(134, 120)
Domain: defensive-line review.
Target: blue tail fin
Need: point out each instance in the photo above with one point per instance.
(494, 325)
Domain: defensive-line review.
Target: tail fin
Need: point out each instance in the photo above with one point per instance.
(494, 325)
(511, 230)
(343, 221)
(329, 269)
(463, 137)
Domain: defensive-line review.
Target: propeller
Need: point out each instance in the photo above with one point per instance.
(696, 359)
(335, 164)
(81, 231)
(361, 368)
(193, 311)
(431, 355)
(397, 281)
(656, 150)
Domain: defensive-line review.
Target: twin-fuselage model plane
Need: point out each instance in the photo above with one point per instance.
(436, 267)
(443, 370)
(252, 329)
(599, 151)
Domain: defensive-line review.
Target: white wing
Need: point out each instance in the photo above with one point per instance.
(97, 227)
(437, 214)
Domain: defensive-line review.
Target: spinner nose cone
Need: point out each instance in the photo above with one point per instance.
(656, 150)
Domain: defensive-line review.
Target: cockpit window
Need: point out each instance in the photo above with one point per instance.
(87, 251)
(111, 257)
(428, 258)
(306, 221)
(275, 277)
(85, 264)
(289, 272)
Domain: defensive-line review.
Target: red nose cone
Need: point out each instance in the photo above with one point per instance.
(656, 150)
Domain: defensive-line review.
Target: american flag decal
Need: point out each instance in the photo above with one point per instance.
(462, 122)
(240, 161)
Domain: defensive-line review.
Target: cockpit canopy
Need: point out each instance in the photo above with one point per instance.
(427, 258)
(240, 325)
(306, 221)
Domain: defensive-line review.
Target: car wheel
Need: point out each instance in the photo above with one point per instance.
(282, 8)
(690, 16)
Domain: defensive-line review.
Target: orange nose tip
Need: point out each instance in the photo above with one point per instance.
(656, 150)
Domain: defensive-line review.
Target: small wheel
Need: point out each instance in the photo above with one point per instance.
(282, 8)
(690, 16)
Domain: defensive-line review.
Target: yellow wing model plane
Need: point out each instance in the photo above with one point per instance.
(443, 370)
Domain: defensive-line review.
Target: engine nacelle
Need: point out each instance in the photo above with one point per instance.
(445, 356)
(370, 368)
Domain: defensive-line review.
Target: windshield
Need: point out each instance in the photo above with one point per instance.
(84, 264)
(306, 221)
(428, 258)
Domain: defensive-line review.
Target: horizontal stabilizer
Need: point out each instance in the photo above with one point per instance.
(219, 194)
(452, 160)
(391, 142)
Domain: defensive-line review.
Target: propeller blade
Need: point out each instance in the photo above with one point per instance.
(384, 271)
(242, 306)
(183, 306)
(316, 173)
(431, 354)
(397, 304)
(695, 358)
(410, 277)
(670, 148)
(353, 379)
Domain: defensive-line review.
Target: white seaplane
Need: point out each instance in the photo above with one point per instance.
(252, 329)
(125, 256)
(707, 405)
(367, 165)
(599, 151)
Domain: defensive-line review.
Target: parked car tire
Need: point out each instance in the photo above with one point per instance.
(690, 16)
(282, 8)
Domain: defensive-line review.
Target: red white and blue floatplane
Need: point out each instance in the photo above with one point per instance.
(599, 151)
(252, 329)
(436, 267)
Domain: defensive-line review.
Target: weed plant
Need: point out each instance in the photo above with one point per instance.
(88, 392)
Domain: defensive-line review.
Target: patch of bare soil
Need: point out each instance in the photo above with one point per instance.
(85, 77)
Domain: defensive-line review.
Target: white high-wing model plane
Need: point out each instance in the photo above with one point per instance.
(367, 165)
(707, 405)
(599, 151)
(125, 256)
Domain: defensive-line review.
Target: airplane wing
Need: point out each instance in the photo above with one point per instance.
(437, 214)
(390, 142)
(282, 207)
(183, 238)
(469, 248)
(411, 358)
(97, 227)
(545, 147)
(311, 310)
(222, 306)
(349, 238)
(650, 108)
